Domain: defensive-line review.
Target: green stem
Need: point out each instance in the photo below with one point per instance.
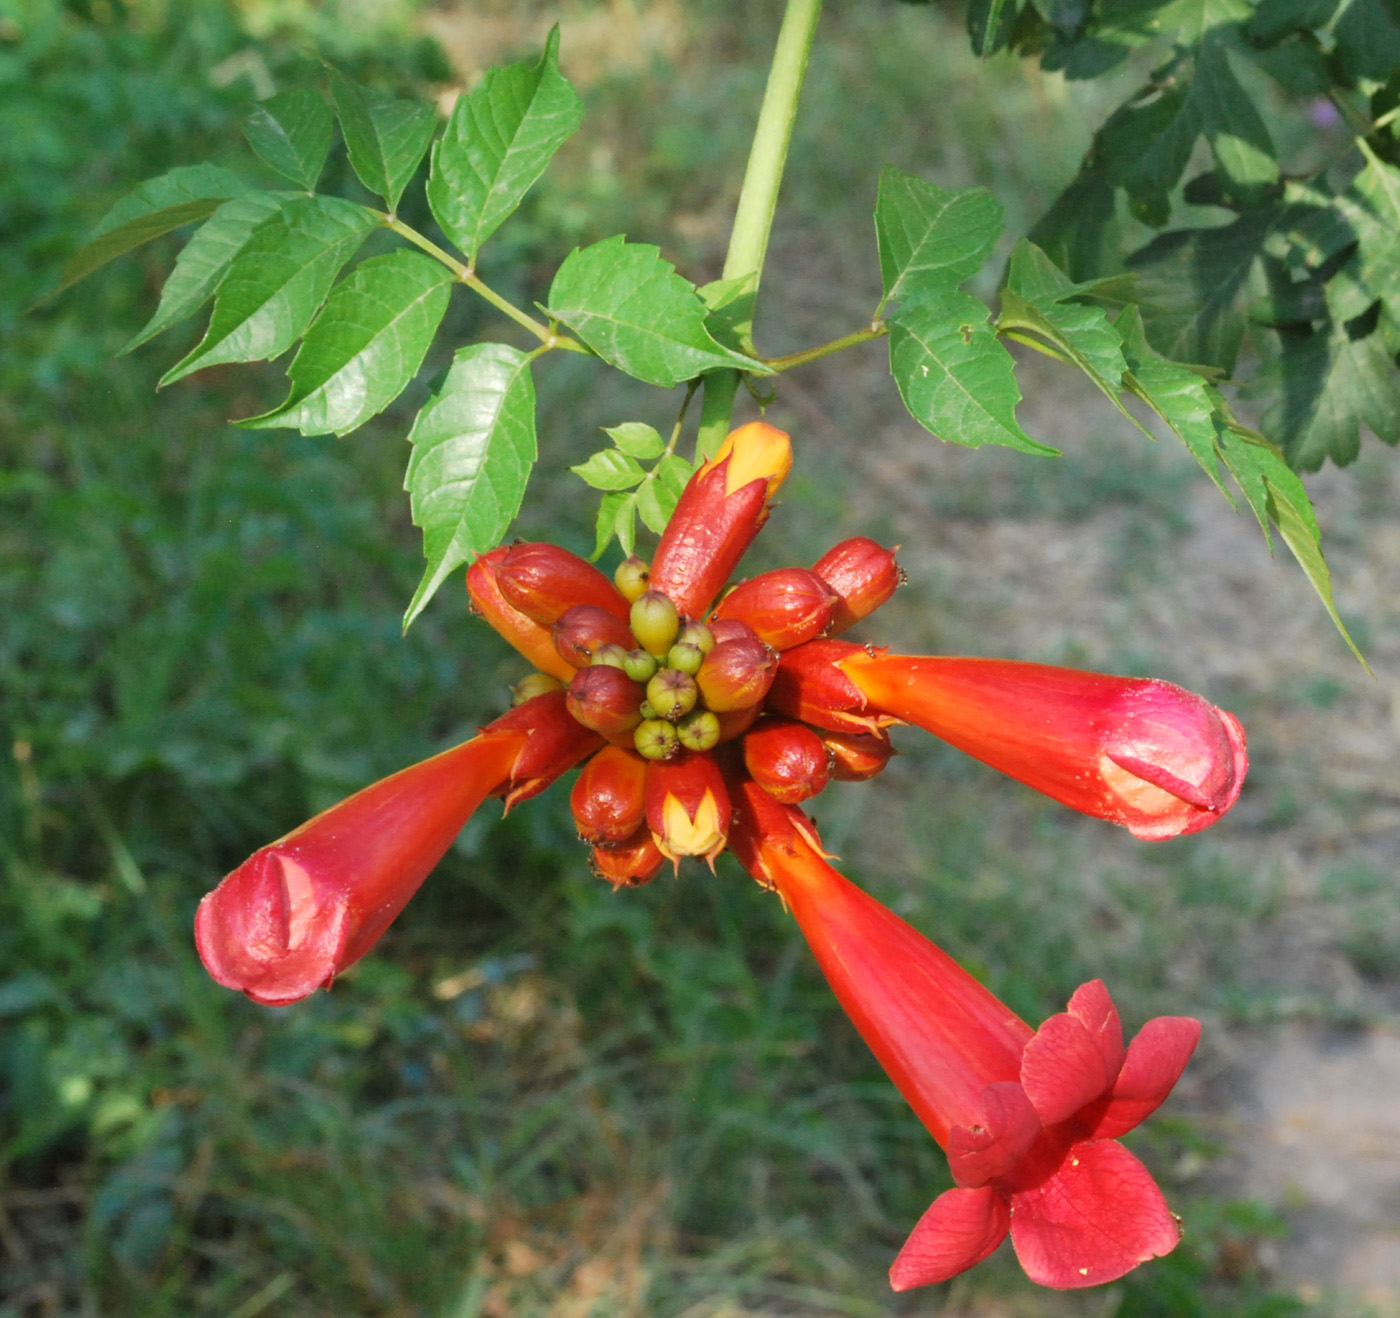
(548, 336)
(758, 198)
(874, 331)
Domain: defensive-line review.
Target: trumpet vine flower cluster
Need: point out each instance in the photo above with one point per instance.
(701, 720)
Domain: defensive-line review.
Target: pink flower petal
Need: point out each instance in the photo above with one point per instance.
(1156, 1059)
(978, 1154)
(1075, 1056)
(1092, 1221)
(959, 1230)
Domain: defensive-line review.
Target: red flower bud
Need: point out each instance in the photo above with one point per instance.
(719, 512)
(787, 760)
(687, 806)
(735, 722)
(784, 608)
(529, 637)
(584, 629)
(862, 574)
(301, 910)
(809, 686)
(729, 629)
(608, 797)
(605, 699)
(631, 863)
(736, 674)
(857, 756)
(543, 581)
(1141, 753)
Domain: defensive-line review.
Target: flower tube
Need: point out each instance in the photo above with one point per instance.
(1143, 753)
(1029, 1118)
(301, 910)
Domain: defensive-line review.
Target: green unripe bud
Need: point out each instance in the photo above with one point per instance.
(686, 657)
(699, 730)
(656, 739)
(631, 577)
(672, 694)
(535, 684)
(612, 655)
(696, 633)
(647, 711)
(655, 622)
(640, 666)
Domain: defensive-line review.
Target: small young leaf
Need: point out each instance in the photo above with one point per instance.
(930, 240)
(384, 136)
(473, 447)
(278, 281)
(617, 516)
(956, 379)
(1276, 494)
(638, 314)
(205, 258)
(657, 499)
(498, 142)
(292, 132)
(182, 196)
(610, 470)
(637, 439)
(365, 346)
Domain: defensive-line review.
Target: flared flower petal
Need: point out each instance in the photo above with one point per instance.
(959, 1230)
(1094, 1220)
(1156, 1058)
(1142, 753)
(301, 910)
(1075, 1057)
(997, 1144)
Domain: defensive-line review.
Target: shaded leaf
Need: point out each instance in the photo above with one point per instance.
(205, 258)
(956, 379)
(608, 469)
(617, 516)
(1367, 40)
(365, 346)
(385, 137)
(1239, 139)
(473, 447)
(638, 314)
(637, 439)
(292, 132)
(931, 240)
(499, 140)
(278, 281)
(1371, 210)
(157, 206)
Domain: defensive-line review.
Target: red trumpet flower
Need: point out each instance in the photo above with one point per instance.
(1029, 1118)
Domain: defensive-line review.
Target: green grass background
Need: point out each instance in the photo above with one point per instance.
(537, 1097)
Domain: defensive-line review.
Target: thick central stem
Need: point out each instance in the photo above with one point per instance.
(758, 199)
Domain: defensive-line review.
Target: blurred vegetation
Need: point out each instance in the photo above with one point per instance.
(538, 1097)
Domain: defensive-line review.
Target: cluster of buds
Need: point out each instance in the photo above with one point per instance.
(701, 725)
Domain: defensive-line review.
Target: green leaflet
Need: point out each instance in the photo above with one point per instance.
(365, 346)
(473, 448)
(278, 281)
(930, 240)
(292, 132)
(632, 308)
(498, 142)
(385, 137)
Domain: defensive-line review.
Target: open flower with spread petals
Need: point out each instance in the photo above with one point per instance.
(1029, 1118)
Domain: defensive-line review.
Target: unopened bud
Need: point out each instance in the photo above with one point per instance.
(532, 685)
(529, 637)
(857, 756)
(672, 694)
(736, 674)
(863, 576)
(612, 655)
(784, 608)
(605, 699)
(631, 577)
(608, 799)
(656, 739)
(687, 806)
(697, 634)
(699, 730)
(631, 863)
(544, 581)
(640, 665)
(583, 628)
(735, 722)
(685, 657)
(786, 759)
(812, 688)
(730, 629)
(655, 622)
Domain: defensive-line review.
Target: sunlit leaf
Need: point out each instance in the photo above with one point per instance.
(931, 240)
